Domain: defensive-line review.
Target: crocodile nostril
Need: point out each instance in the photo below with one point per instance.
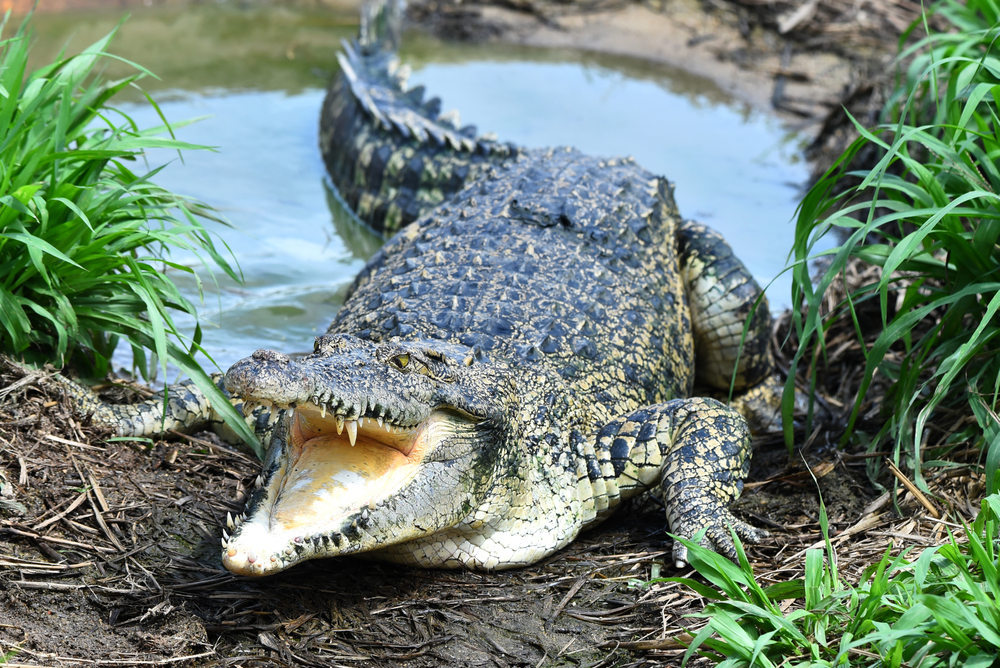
(265, 355)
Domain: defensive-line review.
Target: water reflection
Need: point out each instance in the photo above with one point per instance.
(207, 47)
(359, 239)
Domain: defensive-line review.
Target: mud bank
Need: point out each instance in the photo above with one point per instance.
(751, 63)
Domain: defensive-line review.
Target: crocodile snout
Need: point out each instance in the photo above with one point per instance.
(271, 375)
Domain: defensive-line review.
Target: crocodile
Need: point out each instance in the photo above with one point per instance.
(518, 359)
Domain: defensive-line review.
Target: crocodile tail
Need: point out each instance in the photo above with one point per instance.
(392, 154)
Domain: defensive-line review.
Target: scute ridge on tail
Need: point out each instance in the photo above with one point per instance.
(390, 152)
(379, 84)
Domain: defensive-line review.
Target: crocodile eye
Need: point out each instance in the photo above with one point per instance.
(401, 361)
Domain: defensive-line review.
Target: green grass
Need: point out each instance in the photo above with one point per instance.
(935, 610)
(927, 215)
(85, 234)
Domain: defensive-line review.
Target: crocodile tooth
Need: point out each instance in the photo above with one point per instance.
(322, 411)
(225, 535)
(229, 520)
(379, 418)
(352, 430)
(258, 482)
(364, 515)
(371, 503)
(340, 425)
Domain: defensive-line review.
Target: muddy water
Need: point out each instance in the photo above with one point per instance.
(258, 77)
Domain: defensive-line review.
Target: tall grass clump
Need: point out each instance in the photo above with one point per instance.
(927, 214)
(936, 609)
(85, 236)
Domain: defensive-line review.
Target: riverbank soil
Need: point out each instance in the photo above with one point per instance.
(109, 555)
(109, 550)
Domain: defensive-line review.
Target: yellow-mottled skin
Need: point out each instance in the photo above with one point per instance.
(552, 307)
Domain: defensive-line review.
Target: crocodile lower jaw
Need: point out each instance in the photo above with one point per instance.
(327, 483)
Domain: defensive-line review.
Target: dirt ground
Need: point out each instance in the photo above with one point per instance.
(109, 556)
(109, 550)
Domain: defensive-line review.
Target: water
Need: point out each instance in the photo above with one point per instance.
(259, 75)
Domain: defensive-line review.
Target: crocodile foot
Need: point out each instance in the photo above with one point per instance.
(718, 536)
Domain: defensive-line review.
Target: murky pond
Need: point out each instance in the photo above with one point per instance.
(259, 76)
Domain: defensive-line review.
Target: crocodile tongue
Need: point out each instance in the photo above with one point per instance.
(327, 480)
(321, 487)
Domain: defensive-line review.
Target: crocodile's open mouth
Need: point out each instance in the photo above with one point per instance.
(331, 478)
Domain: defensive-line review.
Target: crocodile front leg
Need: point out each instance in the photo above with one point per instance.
(696, 450)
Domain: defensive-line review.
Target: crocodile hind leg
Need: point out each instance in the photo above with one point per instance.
(696, 450)
(722, 295)
(186, 410)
